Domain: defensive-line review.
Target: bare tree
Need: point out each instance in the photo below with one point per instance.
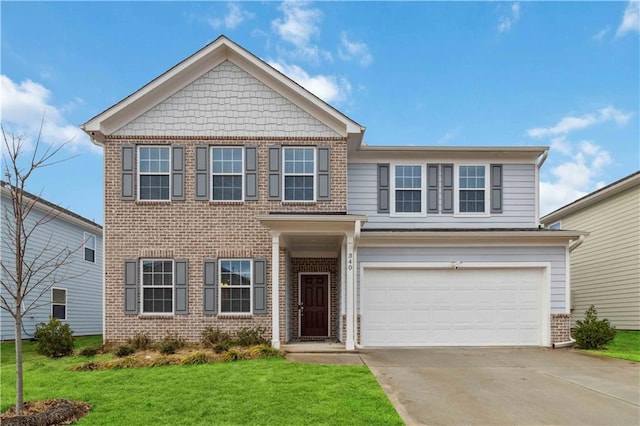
(31, 270)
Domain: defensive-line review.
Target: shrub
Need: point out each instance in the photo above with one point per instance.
(251, 336)
(197, 358)
(263, 351)
(221, 347)
(54, 339)
(140, 341)
(233, 354)
(167, 347)
(212, 336)
(88, 366)
(123, 350)
(593, 333)
(90, 351)
(126, 362)
(162, 361)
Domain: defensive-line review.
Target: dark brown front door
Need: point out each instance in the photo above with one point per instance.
(314, 312)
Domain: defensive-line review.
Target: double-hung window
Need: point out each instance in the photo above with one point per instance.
(59, 303)
(157, 286)
(472, 189)
(408, 189)
(299, 173)
(154, 173)
(89, 247)
(226, 167)
(235, 285)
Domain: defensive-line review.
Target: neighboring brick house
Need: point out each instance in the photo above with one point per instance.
(236, 198)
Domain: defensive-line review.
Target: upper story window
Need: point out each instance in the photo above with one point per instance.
(89, 247)
(59, 303)
(154, 173)
(235, 286)
(408, 189)
(472, 189)
(555, 225)
(299, 173)
(227, 172)
(157, 286)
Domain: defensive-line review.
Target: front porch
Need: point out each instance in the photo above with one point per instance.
(313, 280)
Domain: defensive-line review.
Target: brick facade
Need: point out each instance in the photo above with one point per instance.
(197, 230)
(560, 328)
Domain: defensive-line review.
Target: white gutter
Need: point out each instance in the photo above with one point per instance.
(576, 243)
(541, 161)
(539, 164)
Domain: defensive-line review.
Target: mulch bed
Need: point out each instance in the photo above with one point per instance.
(48, 412)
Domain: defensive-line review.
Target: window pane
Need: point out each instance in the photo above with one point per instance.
(90, 241)
(299, 160)
(89, 255)
(154, 187)
(299, 188)
(408, 177)
(227, 160)
(471, 177)
(157, 300)
(60, 312)
(154, 159)
(472, 201)
(408, 201)
(59, 296)
(227, 188)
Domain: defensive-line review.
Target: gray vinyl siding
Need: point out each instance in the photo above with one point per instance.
(519, 202)
(84, 288)
(555, 255)
(605, 269)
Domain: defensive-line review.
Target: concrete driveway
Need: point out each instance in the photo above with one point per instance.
(532, 386)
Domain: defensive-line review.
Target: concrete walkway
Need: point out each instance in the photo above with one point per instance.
(452, 386)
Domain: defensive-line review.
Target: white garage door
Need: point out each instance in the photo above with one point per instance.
(446, 307)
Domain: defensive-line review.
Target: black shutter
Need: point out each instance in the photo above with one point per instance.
(496, 188)
(182, 287)
(274, 173)
(177, 172)
(432, 188)
(324, 181)
(251, 173)
(128, 172)
(202, 173)
(447, 188)
(131, 287)
(259, 286)
(210, 282)
(383, 188)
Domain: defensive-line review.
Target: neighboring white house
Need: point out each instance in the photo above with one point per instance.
(605, 270)
(76, 301)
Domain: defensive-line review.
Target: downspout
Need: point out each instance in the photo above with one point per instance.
(572, 246)
(539, 164)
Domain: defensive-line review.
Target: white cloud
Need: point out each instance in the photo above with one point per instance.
(354, 51)
(22, 106)
(329, 88)
(575, 176)
(570, 123)
(507, 21)
(298, 26)
(600, 34)
(234, 17)
(630, 19)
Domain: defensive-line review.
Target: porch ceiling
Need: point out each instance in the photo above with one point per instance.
(312, 245)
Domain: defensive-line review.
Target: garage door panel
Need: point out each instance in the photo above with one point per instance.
(438, 307)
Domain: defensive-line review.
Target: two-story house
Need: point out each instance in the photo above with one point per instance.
(76, 297)
(236, 198)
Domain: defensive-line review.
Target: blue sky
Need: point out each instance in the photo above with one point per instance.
(419, 73)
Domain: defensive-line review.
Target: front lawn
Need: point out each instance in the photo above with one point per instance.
(264, 391)
(626, 345)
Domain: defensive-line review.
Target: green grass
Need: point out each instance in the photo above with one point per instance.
(263, 391)
(626, 345)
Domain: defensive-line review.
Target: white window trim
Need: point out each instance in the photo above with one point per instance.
(314, 174)
(220, 312)
(85, 238)
(153, 173)
(241, 174)
(456, 191)
(173, 288)
(423, 191)
(66, 305)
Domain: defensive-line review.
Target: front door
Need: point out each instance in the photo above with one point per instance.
(314, 305)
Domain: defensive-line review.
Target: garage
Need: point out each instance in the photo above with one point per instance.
(470, 306)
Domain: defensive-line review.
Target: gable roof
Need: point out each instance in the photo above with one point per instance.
(196, 65)
(594, 197)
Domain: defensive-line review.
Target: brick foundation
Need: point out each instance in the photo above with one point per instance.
(560, 328)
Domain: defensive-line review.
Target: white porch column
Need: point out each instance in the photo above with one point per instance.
(275, 290)
(351, 295)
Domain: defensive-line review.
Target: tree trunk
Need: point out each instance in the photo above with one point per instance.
(19, 389)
